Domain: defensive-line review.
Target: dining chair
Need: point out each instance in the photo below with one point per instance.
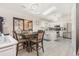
(35, 41)
(20, 41)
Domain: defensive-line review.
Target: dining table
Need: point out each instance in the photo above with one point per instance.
(28, 36)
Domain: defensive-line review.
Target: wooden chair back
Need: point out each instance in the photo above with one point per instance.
(15, 35)
(40, 35)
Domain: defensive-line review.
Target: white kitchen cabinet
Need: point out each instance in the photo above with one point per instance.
(50, 35)
(8, 51)
(8, 48)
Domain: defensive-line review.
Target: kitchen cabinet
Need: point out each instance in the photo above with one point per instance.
(8, 51)
(50, 35)
(8, 46)
(67, 33)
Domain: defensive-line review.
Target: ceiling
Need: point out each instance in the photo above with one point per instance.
(47, 10)
(60, 7)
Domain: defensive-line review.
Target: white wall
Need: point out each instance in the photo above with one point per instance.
(73, 17)
(8, 16)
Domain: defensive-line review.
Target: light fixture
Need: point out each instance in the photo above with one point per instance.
(49, 10)
(35, 8)
(32, 7)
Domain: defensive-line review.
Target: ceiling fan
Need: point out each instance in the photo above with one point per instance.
(32, 7)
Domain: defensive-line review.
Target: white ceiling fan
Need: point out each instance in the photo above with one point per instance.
(32, 7)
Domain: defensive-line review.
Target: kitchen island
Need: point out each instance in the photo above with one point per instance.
(8, 46)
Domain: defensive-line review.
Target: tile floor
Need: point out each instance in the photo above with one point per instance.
(52, 48)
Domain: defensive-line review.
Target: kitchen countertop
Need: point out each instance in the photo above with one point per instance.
(11, 41)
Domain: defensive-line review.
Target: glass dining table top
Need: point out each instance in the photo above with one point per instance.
(27, 34)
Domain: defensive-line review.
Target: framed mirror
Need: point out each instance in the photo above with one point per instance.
(18, 24)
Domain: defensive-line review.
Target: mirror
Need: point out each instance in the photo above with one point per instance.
(18, 24)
